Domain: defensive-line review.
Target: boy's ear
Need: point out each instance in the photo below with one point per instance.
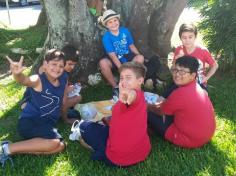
(141, 80)
(194, 75)
(44, 63)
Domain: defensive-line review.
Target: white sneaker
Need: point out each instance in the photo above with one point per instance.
(75, 135)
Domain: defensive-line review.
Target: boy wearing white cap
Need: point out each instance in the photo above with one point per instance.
(119, 47)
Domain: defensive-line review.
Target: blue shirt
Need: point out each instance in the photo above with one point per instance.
(118, 44)
(48, 102)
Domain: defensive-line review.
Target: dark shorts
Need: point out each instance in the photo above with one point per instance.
(159, 124)
(29, 128)
(96, 135)
(129, 57)
(72, 113)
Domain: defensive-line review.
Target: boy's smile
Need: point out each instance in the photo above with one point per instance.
(54, 68)
(182, 76)
(113, 25)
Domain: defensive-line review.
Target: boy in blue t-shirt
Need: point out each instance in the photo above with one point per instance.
(119, 46)
(38, 119)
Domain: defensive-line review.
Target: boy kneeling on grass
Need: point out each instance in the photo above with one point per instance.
(189, 115)
(38, 118)
(125, 141)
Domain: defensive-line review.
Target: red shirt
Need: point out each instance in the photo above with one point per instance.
(202, 55)
(194, 119)
(128, 142)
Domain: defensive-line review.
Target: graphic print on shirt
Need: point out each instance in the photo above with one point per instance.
(52, 103)
(200, 72)
(120, 46)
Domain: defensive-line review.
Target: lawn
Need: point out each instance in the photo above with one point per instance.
(217, 158)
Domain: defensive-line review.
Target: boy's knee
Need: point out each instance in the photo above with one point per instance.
(139, 58)
(54, 143)
(61, 146)
(58, 146)
(104, 64)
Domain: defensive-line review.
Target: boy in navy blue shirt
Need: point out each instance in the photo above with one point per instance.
(38, 118)
(69, 115)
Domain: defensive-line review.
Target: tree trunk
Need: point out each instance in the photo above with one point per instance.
(150, 21)
(42, 19)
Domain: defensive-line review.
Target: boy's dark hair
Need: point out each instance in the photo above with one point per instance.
(138, 69)
(54, 54)
(71, 53)
(188, 62)
(187, 27)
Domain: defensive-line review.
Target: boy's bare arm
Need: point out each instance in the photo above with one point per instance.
(17, 68)
(211, 72)
(64, 108)
(72, 101)
(66, 104)
(134, 49)
(115, 59)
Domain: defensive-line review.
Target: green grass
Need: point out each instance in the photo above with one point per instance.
(217, 158)
(27, 39)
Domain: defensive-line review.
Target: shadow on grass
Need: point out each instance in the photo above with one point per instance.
(27, 39)
(165, 159)
(222, 91)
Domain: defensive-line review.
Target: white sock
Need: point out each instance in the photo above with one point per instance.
(6, 149)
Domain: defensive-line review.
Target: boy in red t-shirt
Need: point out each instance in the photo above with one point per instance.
(189, 115)
(125, 141)
(188, 35)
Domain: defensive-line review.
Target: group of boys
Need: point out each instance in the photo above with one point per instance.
(183, 116)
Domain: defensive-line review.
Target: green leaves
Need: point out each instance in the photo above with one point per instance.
(218, 26)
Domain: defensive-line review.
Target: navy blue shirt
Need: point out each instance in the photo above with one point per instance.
(48, 102)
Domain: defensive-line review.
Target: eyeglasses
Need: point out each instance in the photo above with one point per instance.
(181, 72)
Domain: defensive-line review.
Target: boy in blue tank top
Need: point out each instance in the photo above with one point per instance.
(69, 115)
(38, 119)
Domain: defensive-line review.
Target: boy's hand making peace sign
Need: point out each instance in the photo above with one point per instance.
(126, 96)
(16, 67)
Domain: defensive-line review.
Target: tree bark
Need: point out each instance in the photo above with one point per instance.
(150, 21)
(42, 19)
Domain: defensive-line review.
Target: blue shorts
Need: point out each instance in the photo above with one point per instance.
(31, 127)
(96, 135)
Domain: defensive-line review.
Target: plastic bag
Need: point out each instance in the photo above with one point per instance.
(87, 111)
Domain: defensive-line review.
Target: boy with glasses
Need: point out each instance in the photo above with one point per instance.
(189, 115)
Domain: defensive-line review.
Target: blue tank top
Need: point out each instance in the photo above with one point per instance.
(48, 102)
